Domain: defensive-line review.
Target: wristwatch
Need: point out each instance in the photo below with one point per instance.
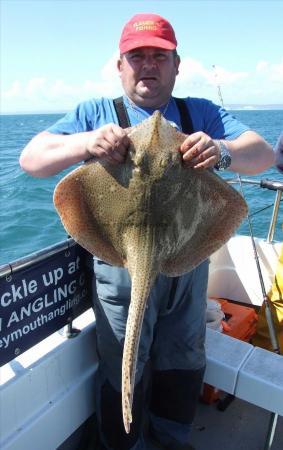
(225, 157)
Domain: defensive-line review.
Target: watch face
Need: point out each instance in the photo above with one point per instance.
(226, 161)
(225, 157)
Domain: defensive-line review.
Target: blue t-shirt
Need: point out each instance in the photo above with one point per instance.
(206, 116)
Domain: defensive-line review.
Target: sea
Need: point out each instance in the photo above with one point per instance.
(29, 222)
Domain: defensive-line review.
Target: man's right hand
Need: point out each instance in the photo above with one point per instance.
(109, 142)
(47, 153)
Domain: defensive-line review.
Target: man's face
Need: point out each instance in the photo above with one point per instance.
(148, 75)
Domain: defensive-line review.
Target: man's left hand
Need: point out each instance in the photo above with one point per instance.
(199, 151)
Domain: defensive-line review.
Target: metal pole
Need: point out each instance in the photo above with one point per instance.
(218, 86)
(271, 431)
(274, 216)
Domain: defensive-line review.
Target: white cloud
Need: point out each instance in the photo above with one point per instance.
(271, 72)
(263, 84)
(261, 66)
(35, 86)
(226, 78)
(197, 80)
(14, 90)
(41, 93)
(192, 70)
(276, 73)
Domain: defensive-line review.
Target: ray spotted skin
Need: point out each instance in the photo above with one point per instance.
(150, 214)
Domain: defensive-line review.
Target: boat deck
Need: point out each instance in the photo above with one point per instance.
(242, 426)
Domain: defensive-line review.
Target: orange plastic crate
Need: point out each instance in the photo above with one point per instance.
(240, 321)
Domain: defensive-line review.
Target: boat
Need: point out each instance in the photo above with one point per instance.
(48, 359)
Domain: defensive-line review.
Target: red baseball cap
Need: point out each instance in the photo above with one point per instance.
(147, 30)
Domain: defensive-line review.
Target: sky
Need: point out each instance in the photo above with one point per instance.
(57, 53)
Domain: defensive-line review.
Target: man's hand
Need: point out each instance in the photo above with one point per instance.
(109, 142)
(200, 151)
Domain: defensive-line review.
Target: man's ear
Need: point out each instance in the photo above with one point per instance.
(118, 65)
(177, 63)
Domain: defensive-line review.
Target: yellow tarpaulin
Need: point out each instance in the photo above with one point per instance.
(261, 338)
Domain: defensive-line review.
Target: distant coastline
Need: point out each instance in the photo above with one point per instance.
(252, 107)
(231, 106)
(25, 113)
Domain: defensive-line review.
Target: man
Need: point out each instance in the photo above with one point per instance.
(171, 352)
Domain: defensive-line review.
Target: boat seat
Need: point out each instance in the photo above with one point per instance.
(250, 373)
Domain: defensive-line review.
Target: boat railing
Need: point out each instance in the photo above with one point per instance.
(272, 185)
(45, 291)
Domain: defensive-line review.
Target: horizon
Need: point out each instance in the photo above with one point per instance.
(43, 71)
(232, 107)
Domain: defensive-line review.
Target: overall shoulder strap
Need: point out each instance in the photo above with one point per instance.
(121, 112)
(186, 121)
(185, 116)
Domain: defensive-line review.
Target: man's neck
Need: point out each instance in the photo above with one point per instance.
(148, 103)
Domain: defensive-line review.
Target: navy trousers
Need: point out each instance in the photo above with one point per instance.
(171, 357)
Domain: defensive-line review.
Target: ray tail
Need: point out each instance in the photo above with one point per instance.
(143, 271)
